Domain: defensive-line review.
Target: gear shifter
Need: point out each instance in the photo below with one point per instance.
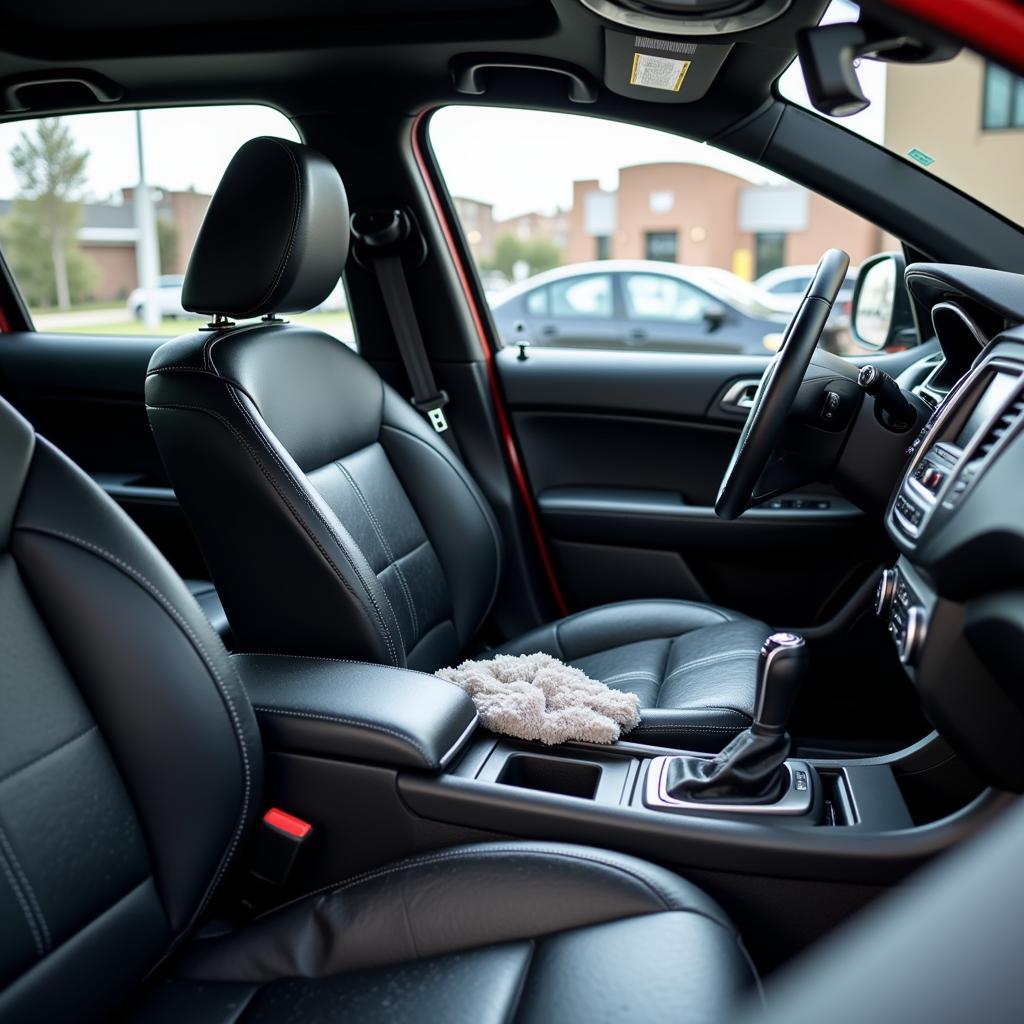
(751, 769)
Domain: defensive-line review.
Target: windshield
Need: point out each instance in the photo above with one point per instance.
(961, 120)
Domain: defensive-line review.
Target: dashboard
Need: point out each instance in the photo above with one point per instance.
(954, 599)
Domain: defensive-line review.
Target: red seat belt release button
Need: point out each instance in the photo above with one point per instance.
(281, 837)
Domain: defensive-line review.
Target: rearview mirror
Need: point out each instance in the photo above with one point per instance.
(881, 312)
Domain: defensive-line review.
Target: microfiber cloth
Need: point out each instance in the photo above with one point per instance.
(537, 697)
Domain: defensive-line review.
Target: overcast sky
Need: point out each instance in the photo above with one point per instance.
(518, 160)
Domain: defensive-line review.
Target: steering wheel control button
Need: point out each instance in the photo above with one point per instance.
(830, 406)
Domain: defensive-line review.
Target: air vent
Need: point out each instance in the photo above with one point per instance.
(1002, 426)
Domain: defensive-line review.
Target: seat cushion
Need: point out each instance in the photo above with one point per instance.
(494, 932)
(693, 666)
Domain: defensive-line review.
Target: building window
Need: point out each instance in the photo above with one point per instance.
(603, 247)
(769, 251)
(1004, 99)
(661, 245)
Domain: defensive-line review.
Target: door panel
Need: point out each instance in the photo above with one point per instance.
(86, 395)
(625, 452)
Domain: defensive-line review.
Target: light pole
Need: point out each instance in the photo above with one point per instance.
(147, 259)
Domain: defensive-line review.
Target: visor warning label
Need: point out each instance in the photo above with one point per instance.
(658, 72)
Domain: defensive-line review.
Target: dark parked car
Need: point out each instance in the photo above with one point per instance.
(640, 304)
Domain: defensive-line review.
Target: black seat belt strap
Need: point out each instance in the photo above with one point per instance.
(426, 396)
(386, 239)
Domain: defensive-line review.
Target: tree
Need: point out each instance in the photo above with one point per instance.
(51, 176)
(537, 253)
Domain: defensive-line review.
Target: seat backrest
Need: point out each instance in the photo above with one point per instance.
(332, 519)
(130, 762)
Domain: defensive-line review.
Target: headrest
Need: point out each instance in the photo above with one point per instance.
(275, 237)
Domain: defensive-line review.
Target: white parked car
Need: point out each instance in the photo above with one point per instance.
(788, 284)
(168, 297)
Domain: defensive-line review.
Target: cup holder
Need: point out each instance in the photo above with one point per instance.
(551, 775)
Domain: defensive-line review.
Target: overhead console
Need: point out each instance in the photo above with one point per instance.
(954, 601)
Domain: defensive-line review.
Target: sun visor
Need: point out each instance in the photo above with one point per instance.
(646, 67)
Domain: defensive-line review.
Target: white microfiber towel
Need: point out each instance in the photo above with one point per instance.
(537, 697)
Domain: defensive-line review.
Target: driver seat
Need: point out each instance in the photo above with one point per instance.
(334, 521)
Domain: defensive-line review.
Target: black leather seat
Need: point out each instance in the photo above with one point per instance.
(333, 519)
(131, 775)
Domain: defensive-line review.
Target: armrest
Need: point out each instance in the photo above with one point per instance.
(356, 710)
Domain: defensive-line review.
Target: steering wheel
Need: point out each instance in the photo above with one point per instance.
(779, 386)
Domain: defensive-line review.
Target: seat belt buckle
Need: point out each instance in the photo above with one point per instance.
(281, 836)
(434, 410)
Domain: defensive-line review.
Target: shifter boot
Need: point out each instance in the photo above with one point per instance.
(751, 769)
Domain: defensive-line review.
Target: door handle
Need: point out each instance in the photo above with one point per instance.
(549, 331)
(740, 395)
(638, 334)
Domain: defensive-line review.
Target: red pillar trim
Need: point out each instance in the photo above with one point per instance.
(511, 450)
(995, 27)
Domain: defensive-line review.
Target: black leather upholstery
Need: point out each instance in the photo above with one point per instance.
(336, 523)
(129, 757)
(694, 666)
(270, 241)
(352, 709)
(130, 772)
(525, 931)
(333, 520)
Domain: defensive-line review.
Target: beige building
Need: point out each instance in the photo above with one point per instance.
(968, 116)
(694, 214)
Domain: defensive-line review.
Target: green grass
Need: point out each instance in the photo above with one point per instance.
(170, 328)
(81, 307)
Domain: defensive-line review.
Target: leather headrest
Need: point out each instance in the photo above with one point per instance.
(275, 237)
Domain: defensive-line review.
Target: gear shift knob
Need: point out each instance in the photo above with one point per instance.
(781, 671)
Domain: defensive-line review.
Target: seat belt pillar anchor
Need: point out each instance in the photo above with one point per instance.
(433, 408)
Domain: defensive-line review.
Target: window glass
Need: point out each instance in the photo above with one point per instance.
(537, 302)
(586, 296)
(621, 229)
(652, 297)
(1004, 99)
(961, 120)
(83, 241)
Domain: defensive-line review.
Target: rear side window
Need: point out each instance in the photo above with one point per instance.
(90, 251)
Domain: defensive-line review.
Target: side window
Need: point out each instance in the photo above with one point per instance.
(537, 302)
(707, 252)
(98, 242)
(582, 297)
(652, 297)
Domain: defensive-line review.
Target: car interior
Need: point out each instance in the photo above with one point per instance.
(233, 558)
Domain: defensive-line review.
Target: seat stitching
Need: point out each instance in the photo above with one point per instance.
(204, 656)
(327, 526)
(341, 720)
(437, 858)
(42, 757)
(37, 938)
(465, 479)
(630, 675)
(284, 500)
(379, 530)
(319, 657)
(711, 659)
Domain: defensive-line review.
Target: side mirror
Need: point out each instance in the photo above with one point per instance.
(881, 311)
(715, 315)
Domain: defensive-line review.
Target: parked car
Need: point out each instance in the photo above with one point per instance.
(786, 286)
(641, 304)
(168, 296)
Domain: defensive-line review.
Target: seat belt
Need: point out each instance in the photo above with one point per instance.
(385, 234)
